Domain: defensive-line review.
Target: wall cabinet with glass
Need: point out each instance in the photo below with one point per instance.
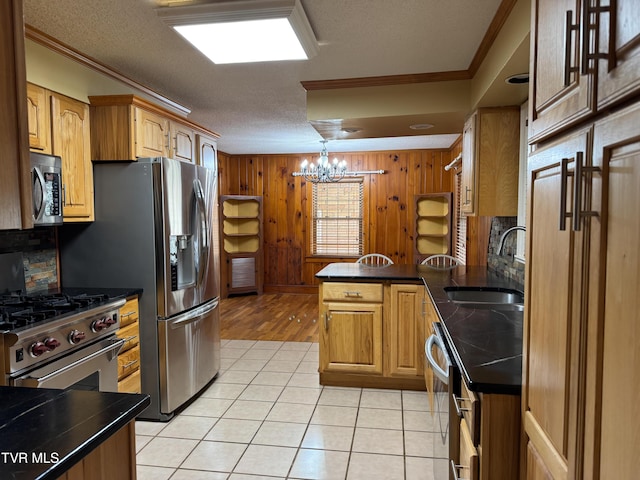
(242, 238)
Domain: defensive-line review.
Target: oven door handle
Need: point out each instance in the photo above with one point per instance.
(437, 369)
(112, 348)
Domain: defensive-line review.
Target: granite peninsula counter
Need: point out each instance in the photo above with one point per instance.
(487, 343)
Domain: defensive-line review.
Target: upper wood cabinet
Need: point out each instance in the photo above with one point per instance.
(15, 185)
(71, 141)
(207, 151)
(126, 127)
(151, 134)
(490, 152)
(566, 67)
(38, 110)
(60, 125)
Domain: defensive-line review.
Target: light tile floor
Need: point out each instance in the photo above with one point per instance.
(267, 417)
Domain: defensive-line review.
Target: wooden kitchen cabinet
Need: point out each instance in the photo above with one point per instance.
(207, 151)
(581, 310)
(126, 127)
(490, 152)
(60, 125)
(351, 328)
(39, 113)
(489, 435)
(114, 458)
(129, 355)
(15, 180)
(151, 134)
(372, 335)
(569, 84)
(404, 330)
(71, 140)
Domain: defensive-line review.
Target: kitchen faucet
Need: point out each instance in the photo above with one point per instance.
(504, 235)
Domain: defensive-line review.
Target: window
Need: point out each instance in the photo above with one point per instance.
(336, 218)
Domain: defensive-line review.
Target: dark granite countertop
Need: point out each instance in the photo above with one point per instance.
(487, 344)
(39, 426)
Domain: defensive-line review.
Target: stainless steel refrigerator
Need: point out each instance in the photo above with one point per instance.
(156, 228)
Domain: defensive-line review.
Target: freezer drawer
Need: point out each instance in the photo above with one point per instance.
(189, 353)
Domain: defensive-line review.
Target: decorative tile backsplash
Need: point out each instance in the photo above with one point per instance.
(504, 264)
(38, 247)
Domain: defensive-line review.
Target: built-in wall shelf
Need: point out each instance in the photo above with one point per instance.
(241, 233)
(433, 225)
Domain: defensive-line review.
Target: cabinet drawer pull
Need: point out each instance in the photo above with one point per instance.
(459, 409)
(353, 294)
(129, 364)
(454, 470)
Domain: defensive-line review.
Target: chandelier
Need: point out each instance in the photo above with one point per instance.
(325, 171)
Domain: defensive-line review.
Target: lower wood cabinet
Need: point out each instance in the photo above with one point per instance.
(371, 335)
(115, 458)
(489, 433)
(129, 356)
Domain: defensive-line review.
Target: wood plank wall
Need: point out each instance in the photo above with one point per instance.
(389, 203)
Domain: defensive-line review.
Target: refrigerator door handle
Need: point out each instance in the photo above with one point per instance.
(193, 316)
(203, 231)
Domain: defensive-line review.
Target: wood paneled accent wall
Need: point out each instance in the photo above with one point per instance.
(389, 206)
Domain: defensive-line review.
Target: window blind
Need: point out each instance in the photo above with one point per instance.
(460, 247)
(337, 218)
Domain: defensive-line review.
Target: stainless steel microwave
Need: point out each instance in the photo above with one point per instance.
(47, 189)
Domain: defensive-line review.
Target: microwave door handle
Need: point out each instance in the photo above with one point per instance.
(38, 193)
(439, 372)
(203, 230)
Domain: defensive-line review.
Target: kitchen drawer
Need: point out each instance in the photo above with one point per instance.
(352, 292)
(128, 362)
(469, 464)
(468, 408)
(131, 335)
(129, 312)
(130, 383)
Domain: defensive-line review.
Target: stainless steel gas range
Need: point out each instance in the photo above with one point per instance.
(60, 340)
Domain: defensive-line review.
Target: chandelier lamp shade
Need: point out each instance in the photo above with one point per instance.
(325, 171)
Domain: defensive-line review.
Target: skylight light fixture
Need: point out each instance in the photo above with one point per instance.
(245, 30)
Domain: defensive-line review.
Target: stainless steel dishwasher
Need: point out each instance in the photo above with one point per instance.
(446, 422)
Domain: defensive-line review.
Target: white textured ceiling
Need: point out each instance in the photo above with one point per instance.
(261, 108)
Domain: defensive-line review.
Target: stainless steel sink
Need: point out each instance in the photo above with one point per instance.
(486, 297)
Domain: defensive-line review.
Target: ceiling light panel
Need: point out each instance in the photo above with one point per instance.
(245, 30)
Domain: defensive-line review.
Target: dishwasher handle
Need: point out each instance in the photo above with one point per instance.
(437, 369)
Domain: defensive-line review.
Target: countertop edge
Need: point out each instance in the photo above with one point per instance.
(67, 462)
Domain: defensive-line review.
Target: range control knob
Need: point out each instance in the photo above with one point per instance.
(52, 343)
(110, 321)
(76, 336)
(38, 348)
(99, 325)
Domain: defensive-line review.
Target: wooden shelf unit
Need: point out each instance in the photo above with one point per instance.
(433, 225)
(242, 239)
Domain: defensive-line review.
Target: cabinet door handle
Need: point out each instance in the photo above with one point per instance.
(587, 28)
(580, 171)
(564, 178)
(467, 190)
(569, 28)
(327, 317)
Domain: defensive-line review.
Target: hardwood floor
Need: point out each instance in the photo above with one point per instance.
(281, 316)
